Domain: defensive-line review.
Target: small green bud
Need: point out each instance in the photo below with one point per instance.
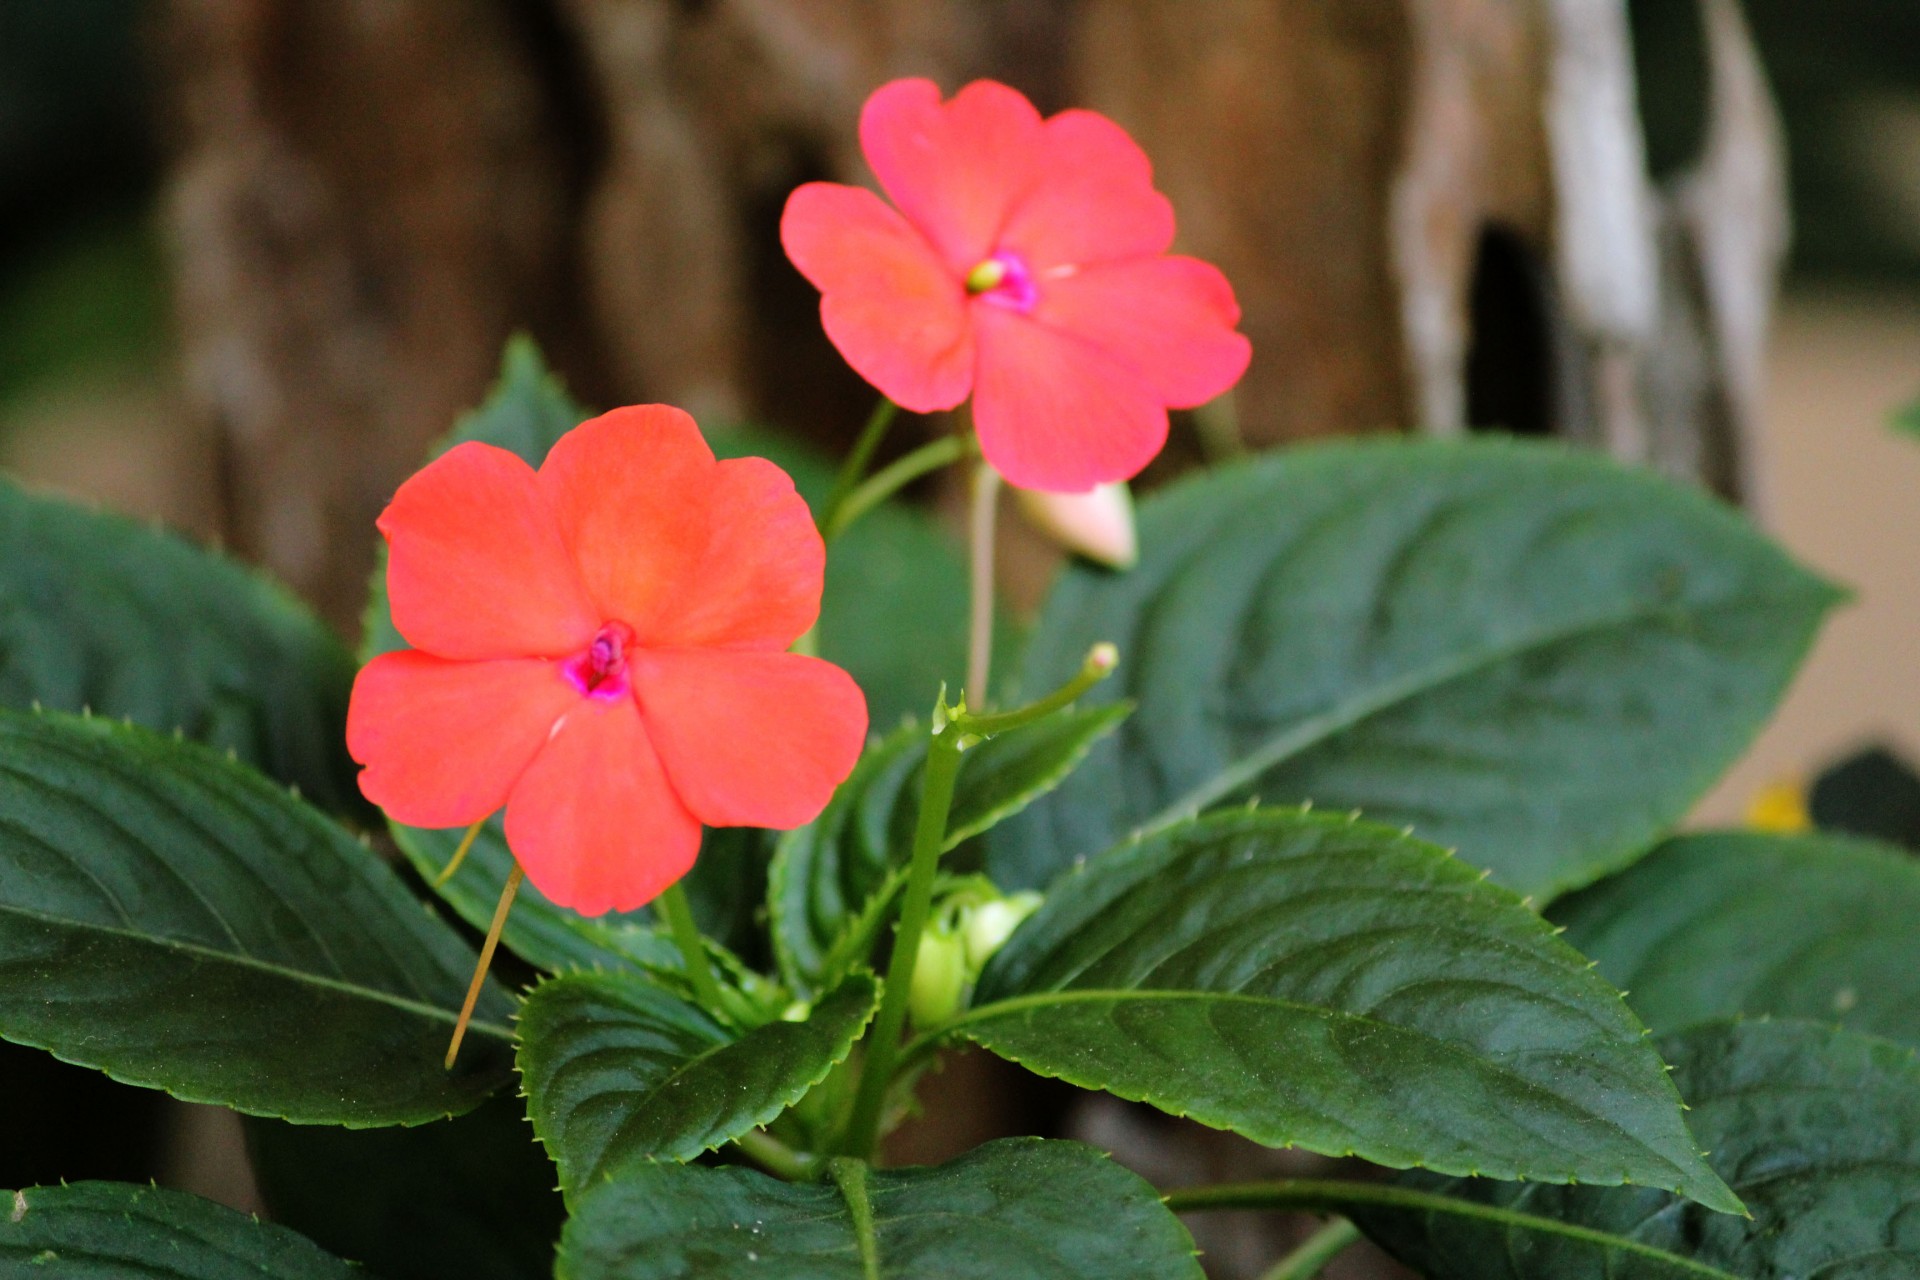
(939, 977)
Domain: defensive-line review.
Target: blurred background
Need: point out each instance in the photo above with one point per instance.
(256, 254)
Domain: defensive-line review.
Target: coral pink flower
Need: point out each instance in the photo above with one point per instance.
(600, 646)
(1027, 266)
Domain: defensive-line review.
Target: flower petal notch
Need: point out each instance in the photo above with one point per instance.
(600, 647)
(1023, 262)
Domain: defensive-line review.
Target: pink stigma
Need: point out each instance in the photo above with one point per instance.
(601, 671)
(1004, 280)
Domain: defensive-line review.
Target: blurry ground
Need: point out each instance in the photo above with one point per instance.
(1842, 491)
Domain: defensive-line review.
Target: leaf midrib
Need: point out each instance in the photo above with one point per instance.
(1303, 735)
(1335, 1194)
(244, 961)
(1040, 1000)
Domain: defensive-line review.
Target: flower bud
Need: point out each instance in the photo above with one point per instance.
(939, 977)
(987, 927)
(1097, 524)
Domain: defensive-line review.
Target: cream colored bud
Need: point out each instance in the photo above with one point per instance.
(1097, 524)
(987, 927)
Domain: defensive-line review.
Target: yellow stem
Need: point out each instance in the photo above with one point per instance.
(486, 960)
(459, 855)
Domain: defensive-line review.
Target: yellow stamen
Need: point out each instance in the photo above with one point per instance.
(987, 275)
(486, 961)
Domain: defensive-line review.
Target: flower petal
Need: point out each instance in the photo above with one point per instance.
(443, 742)
(1094, 200)
(476, 567)
(891, 307)
(629, 492)
(751, 739)
(1169, 319)
(593, 821)
(956, 168)
(1056, 413)
(757, 582)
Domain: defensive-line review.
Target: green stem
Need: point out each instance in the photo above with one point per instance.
(1098, 665)
(986, 504)
(936, 798)
(1315, 1252)
(775, 1156)
(889, 480)
(686, 936)
(854, 469)
(851, 1177)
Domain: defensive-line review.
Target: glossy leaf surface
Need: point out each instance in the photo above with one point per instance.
(618, 1070)
(1314, 981)
(1818, 1130)
(115, 1229)
(133, 622)
(1016, 1209)
(1529, 654)
(1711, 926)
(172, 918)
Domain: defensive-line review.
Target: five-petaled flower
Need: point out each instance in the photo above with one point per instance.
(601, 647)
(1027, 266)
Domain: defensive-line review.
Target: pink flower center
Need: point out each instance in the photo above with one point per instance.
(600, 671)
(1005, 280)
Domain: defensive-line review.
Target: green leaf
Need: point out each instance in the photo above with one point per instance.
(1531, 654)
(112, 1229)
(1818, 1130)
(98, 612)
(471, 1197)
(174, 919)
(830, 879)
(619, 1071)
(1332, 984)
(1709, 926)
(1016, 1209)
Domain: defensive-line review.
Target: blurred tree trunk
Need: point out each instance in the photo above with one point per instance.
(1437, 215)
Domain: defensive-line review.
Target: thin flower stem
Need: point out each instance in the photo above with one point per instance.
(486, 961)
(1315, 1252)
(952, 733)
(890, 479)
(1217, 423)
(776, 1157)
(854, 469)
(686, 935)
(980, 524)
(936, 798)
(459, 855)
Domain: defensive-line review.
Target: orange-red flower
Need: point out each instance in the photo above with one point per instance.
(1025, 265)
(600, 646)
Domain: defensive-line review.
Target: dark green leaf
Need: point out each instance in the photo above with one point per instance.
(115, 1231)
(827, 878)
(471, 1197)
(96, 611)
(1709, 926)
(1530, 654)
(1016, 1209)
(1872, 793)
(174, 919)
(1335, 985)
(1818, 1131)
(619, 1071)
